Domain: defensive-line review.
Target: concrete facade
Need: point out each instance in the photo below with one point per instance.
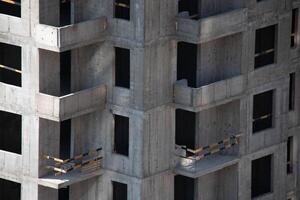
(226, 80)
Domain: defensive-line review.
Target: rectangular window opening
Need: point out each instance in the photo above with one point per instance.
(65, 73)
(63, 193)
(262, 111)
(121, 135)
(188, 8)
(10, 190)
(185, 128)
(11, 7)
(184, 188)
(65, 139)
(187, 63)
(10, 64)
(11, 132)
(292, 92)
(289, 160)
(122, 9)
(261, 176)
(122, 67)
(265, 39)
(65, 12)
(119, 191)
(294, 28)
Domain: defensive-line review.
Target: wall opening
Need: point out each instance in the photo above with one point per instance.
(122, 67)
(63, 193)
(65, 12)
(10, 190)
(11, 132)
(265, 46)
(292, 91)
(10, 64)
(65, 73)
(119, 191)
(65, 139)
(122, 9)
(184, 188)
(262, 111)
(289, 160)
(11, 7)
(191, 7)
(121, 135)
(187, 63)
(185, 128)
(261, 180)
(295, 15)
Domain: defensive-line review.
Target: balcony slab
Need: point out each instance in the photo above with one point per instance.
(72, 36)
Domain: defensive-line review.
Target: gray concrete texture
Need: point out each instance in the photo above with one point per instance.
(223, 100)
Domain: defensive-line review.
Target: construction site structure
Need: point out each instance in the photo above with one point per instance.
(149, 100)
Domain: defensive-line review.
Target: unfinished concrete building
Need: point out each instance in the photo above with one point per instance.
(149, 99)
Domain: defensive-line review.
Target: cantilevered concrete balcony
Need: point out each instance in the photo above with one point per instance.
(196, 169)
(212, 27)
(214, 94)
(71, 105)
(14, 98)
(62, 181)
(208, 159)
(73, 170)
(10, 165)
(64, 38)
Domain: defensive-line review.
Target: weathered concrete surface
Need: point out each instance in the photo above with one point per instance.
(226, 79)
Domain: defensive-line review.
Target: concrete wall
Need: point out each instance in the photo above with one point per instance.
(151, 35)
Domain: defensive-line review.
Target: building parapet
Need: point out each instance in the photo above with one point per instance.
(214, 94)
(71, 105)
(72, 36)
(212, 27)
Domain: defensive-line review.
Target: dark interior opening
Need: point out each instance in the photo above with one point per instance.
(10, 64)
(184, 188)
(122, 67)
(65, 139)
(119, 191)
(292, 91)
(65, 12)
(11, 132)
(11, 8)
(10, 190)
(187, 63)
(289, 157)
(65, 73)
(262, 111)
(63, 193)
(294, 27)
(191, 6)
(122, 9)
(185, 128)
(265, 46)
(121, 138)
(261, 176)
